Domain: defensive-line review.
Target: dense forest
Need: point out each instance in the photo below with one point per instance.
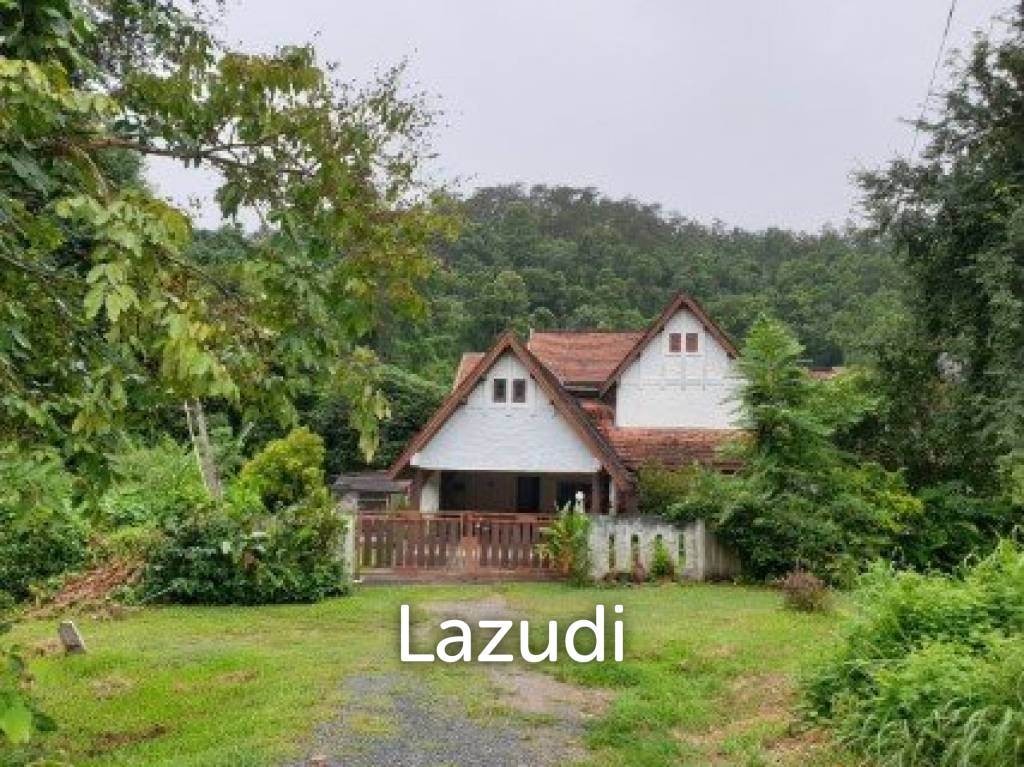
(561, 257)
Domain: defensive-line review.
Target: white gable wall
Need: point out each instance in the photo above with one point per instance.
(661, 389)
(485, 436)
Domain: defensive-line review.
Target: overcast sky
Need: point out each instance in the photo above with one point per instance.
(753, 112)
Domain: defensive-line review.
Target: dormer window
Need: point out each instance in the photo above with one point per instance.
(499, 390)
(692, 343)
(519, 390)
(675, 343)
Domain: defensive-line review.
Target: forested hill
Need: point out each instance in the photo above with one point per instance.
(561, 257)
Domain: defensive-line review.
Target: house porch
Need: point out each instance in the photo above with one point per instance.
(505, 492)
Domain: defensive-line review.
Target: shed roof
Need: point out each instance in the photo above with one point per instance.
(370, 482)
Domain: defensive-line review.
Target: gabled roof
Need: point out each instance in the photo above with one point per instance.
(581, 357)
(563, 402)
(679, 301)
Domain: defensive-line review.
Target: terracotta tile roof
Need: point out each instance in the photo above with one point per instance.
(581, 356)
(670, 447)
(466, 364)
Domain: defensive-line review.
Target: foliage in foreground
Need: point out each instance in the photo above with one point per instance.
(107, 314)
(276, 538)
(931, 669)
(42, 533)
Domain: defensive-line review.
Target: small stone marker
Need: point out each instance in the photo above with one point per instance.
(318, 760)
(70, 638)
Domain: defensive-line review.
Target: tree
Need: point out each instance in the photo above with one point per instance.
(952, 376)
(801, 501)
(105, 309)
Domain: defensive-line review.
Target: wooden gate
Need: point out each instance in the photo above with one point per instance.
(463, 546)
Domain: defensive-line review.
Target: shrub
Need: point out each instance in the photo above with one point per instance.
(662, 565)
(42, 534)
(929, 670)
(956, 524)
(805, 592)
(286, 471)
(151, 485)
(567, 542)
(684, 494)
(213, 557)
(276, 539)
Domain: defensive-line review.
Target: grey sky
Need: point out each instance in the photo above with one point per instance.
(753, 112)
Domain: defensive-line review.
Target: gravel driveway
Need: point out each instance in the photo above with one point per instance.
(387, 721)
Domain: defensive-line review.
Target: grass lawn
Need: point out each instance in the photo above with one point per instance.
(707, 677)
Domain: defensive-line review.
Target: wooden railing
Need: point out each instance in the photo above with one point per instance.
(467, 542)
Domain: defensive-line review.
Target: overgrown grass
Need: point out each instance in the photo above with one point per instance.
(708, 675)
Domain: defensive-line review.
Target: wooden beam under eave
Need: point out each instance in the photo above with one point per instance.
(419, 479)
(597, 485)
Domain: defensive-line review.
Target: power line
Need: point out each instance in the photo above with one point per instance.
(931, 80)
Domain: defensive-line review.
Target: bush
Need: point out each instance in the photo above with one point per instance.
(567, 542)
(683, 494)
(805, 592)
(929, 670)
(662, 565)
(286, 471)
(42, 534)
(276, 539)
(213, 557)
(956, 524)
(151, 485)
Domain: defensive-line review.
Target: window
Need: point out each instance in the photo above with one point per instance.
(675, 343)
(499, 392)
(519, 390)
(692, 343)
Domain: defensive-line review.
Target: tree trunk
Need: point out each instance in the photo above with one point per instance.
(196, 418)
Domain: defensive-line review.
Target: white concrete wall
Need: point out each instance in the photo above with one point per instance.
(662, 389)
(430, 494)
(696, 553)
(485, 436)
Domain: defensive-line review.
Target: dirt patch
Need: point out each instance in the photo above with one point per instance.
(93, 588)
(108, 687)
(797, 748)
(109, 741)
(237, 677)
(532, 692)
(46, 648)
(493, 607)
(754, 702)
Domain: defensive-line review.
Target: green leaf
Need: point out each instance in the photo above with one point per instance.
(16, 722)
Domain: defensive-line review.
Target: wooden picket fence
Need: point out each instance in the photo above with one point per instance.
(466, 545)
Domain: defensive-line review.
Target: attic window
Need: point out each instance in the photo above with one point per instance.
(675, 343)
(519, 390)
(692, 343)
(499, 390)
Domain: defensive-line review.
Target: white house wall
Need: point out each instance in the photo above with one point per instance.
(667, 390)
(485, 436)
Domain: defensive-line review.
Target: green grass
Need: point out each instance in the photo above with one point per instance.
(707, 677)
